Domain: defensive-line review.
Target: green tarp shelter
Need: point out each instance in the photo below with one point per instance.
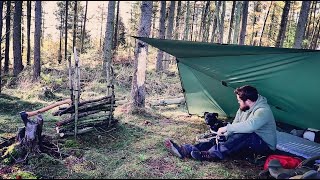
(288, 78)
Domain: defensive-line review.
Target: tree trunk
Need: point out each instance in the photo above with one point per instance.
(205, 21)
(169, 32)
(231, 21)
(162, 31)
(116, 34)
(301, 27)
(107, 55)
(102, 20)
(37, 37)
(313, 9)
(75, 19)
(283, 24)
(186, 30)
(1, 24)
(141, 55)
(17, 68)
(237, 26)
(60, 40)
(8, 30)
(221, 28)
(66, 33)
(192, 24)
(154, 17)
(264, 23)
(254, 21)
(177, 30)
(84, 27)
(28, 31)
(244, 22)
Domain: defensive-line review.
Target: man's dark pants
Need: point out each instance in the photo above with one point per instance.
(236, 143)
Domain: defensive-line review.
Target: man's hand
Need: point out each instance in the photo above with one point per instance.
(222, 130)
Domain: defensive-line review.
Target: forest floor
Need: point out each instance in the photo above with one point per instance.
(133, 148)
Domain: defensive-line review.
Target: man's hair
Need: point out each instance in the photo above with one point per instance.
(247, 92)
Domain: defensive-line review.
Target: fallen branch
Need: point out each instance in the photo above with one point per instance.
(165, 102)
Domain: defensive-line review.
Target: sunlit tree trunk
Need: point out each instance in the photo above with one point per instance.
(107, 55)
(141, 55)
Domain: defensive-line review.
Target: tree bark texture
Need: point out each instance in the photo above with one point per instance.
(301, 27)
(37, 38)
(141, 54)
(244, 23)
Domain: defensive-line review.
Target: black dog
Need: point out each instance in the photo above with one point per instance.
(213, 122)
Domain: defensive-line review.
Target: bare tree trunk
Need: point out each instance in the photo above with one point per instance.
(192, 24)
(231, 21)
(244, 22)
(66, 33)
(221, 29)
(17, 38)
(60, 40)
(205, 21)
(141, 55)
(8, 30)
(237, 26)
(116, 34)
(37, 37)
(154, 17)
(169, 32)
(301, 27)
(264, 23)
(254, 21)
(186, 30)
(107, 55)
(84, 27)
(315, 37)
(28, 31)
(75, 19)
(102, 20)
(177, 30)
(162, 31)
(1, 24)
(283, 24)
(313, 9)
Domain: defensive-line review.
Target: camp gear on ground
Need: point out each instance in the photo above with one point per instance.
(296, 145)
(286, 162)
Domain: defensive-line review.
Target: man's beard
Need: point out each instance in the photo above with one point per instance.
(245, 108)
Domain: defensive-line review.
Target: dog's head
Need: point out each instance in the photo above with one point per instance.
(212, 121)
(210, 118)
